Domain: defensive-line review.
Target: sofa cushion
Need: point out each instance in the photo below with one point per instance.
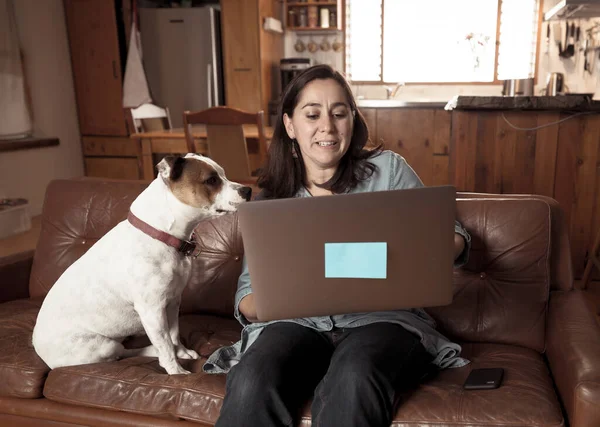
(22, 371)
(525, 398)
(140, 385)
(501, 294)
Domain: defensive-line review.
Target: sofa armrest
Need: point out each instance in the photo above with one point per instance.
(573, 351)
(14, 276)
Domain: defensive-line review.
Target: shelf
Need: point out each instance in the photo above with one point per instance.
(27, 143)
(312, 3)
(314, 29)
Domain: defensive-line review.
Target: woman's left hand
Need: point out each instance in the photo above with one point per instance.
(459, 245)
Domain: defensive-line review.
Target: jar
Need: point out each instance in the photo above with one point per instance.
(324, 12)
(313, 16)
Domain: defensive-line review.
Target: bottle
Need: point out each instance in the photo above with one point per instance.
(332, 18)
(292, 22)
(302, 21)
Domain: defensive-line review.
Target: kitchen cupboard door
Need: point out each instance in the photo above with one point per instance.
(112, 167)
(94, 42)
(240, 26)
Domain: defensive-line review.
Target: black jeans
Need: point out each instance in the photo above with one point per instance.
(354, 375)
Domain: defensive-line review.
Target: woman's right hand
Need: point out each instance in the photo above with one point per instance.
(248, 309)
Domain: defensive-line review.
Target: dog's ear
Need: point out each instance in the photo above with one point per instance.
(171, 167)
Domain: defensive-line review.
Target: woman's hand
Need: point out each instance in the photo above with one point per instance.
(248, 309)
(459, 246)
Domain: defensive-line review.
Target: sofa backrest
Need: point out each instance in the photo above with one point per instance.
(501, 294)
(78, 212)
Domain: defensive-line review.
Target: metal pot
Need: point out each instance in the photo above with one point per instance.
(515, 87)
(555, 84)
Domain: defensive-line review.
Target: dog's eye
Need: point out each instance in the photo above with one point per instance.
(213, 180)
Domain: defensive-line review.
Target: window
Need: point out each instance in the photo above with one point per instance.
(437, 41)
(15, 120)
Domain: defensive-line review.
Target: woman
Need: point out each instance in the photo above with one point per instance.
(354, 364)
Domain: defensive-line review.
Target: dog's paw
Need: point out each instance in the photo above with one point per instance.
(177, 370)
(186, 353)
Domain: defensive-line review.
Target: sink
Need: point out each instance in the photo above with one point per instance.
(398, 103)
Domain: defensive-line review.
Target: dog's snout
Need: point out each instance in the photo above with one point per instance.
(245, 193)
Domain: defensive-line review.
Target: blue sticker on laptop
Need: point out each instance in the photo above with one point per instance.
(359, 260)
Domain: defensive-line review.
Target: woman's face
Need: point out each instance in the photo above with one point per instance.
(322, 124)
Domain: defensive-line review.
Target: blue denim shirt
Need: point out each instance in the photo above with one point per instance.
(393, 173)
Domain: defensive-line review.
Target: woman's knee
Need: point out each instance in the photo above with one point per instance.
(251, 381)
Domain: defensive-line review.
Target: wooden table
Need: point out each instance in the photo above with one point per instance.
(173, 141)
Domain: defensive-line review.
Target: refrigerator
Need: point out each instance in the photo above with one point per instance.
(181, 53)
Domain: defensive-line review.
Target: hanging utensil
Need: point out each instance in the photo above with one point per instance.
(547, 50)
(570, 47)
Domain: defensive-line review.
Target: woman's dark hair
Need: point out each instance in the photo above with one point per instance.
(284, 172)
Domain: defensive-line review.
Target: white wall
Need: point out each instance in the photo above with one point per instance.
(43, 35)
(575, 78)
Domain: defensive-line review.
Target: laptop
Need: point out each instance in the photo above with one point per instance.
(348, 253)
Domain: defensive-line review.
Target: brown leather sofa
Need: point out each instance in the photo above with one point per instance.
(515, 307)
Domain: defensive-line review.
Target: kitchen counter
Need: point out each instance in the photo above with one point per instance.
(575, 103)
(398, 103)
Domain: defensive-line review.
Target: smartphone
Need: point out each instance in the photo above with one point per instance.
(484, 379)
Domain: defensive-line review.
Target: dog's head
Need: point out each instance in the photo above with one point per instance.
(200, 182)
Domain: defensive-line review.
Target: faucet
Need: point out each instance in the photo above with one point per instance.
(392, 91)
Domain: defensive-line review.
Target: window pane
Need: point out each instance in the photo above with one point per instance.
(518, 39)
(363, 40)
(439, 40)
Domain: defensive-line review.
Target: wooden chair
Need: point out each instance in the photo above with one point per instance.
(225, 137)
(149, 117)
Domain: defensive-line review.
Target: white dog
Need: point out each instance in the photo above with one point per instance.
(131, 280)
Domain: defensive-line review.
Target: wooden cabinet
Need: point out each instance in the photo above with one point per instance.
(96, 57)
(494, 152)
(112, 157)
(96, 32)
(306, 15)
(489, 152)
(420, 135)
(250, 54)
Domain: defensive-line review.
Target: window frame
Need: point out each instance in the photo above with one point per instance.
(496, 81)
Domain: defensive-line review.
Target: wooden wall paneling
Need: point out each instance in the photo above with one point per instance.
(370, 116)
(545, 154)
(505, 149)
(569, 145)
(441, 146)
(96, 63)
(456, 164)
(486, 165)
(595, 215)
(441, 132)
(463, 144)
(397, 130)
(586, 191)
(524, 161)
